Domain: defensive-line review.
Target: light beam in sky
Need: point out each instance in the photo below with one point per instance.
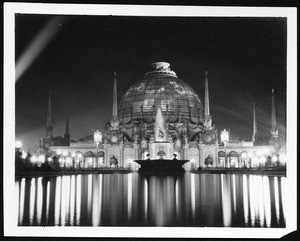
(38, 44)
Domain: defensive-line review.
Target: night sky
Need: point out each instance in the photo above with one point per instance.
(245, 58)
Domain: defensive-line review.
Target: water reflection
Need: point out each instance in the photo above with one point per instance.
(210, 200)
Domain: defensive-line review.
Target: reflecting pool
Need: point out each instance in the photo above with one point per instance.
(187, 200)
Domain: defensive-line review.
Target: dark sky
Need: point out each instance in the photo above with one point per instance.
(245, 58)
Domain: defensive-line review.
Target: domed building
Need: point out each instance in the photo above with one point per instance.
(161, 88)
(158, 117)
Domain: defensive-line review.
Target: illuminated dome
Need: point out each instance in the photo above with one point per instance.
(161, 88)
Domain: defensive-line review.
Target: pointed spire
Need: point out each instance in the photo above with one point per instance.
(273, 112)
(207, 112)
(67, 126)
(49, 129)
(49, 118)
(274, 130)
(67, 134)
(115, 98)
(254, 124)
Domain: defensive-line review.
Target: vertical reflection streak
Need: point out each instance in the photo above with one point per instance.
(89, 201)
(57, 200)
(252, 197)
(39, 201)
(17, 200)
(32, 200)
(261, 197)
(72, 200)
(145, 198)
(129, 196)
(63, 201)
(226, 204)
(245, 199)
(267, 201)
(100, 197)
(234, 192)
(95, 206)
(67, 197)
(193, 197)
(284, 196)
(276, 197)
(78, 198)
(177, 199)
(47, 201)
(22, 201)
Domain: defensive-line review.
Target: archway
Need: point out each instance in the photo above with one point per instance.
(244, 159)
(233, 159)
(221, 159)
(88, 159)
(100, 159)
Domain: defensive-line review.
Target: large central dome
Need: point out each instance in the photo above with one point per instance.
(161, 88)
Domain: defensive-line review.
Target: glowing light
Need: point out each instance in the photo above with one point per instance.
(274, 158)
(33, 159)
(265, 151)
(40, 41)
(244, 155)
(79, 155)
(41, 158)
(24, 155)
(255, 161)
(18, 144)
(97, 137)
(65, 153)
(59, 152)
(282, 158)
(262, 159)
(258, 152)
(224, 136)
(73, 154)
(49, 159)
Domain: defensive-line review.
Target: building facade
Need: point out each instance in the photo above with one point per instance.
(160, 115)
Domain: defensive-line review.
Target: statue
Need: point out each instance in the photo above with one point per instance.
(160, 134)
(144, 143)
(178, 143)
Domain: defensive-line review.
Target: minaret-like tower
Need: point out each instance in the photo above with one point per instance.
(67, 134)
(254, 124)
(49, 129)
(207, 121)
(115, 98)
(274, 130)
(207, 112)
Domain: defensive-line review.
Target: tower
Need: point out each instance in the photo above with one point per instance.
(254, 124)
(207, 117)
(274, 130)
(207, 112)
(115, 98)
(49, 129)
(67, 134)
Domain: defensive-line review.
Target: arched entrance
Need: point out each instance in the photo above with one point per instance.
(233, 157)
(244, 159)
(100, 159)
(221, 159)
(88, 159)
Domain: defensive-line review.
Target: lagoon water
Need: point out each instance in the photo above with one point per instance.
(187, 200)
